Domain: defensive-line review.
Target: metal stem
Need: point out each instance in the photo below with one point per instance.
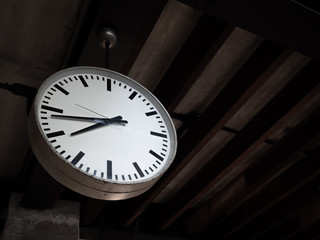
(107, 56)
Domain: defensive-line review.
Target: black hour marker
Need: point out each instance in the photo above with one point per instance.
(136, 166)
(85, 84)
(156, 155)
(94, 172)
(151, 113)
(61, 89)
(109, 169)
(77, 158)
(88, 169)
(158, 134)
(55, 134)
(109, 84)
(133, 95)
(52, 109)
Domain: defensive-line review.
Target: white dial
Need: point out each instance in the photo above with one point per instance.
(105, 125)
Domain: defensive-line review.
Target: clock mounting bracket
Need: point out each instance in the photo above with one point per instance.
(107, 37)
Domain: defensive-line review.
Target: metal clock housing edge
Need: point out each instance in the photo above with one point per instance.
(67, 174)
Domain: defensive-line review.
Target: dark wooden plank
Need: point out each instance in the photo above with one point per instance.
(275, 163)
(217, 167)
(42, 191)
(307, 210)
(311, 232)
(191, 60)
(282, 198)
(272, 164)
(238, 90)
(214, 208)
(87, 16)
(90, 210)
(145, 32)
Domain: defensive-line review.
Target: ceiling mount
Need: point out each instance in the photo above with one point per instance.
(107, 36)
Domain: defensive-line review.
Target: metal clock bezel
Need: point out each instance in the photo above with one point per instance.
(72, 177)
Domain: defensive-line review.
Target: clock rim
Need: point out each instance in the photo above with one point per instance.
(94, 187)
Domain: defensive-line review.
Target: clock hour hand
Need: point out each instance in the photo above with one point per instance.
(111, 120)
(94, 126)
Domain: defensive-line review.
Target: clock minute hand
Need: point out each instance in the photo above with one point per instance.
(89, 119)
(100, 123)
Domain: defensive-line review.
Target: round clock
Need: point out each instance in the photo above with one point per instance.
(100, 133)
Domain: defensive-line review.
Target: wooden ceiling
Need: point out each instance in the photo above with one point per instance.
(241, 80)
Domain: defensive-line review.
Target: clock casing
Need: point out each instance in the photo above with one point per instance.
(114, 160)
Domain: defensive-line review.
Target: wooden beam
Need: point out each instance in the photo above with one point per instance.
(191, 60)
(311, 232)
(215, 207)
(169, 33)
(270, 166)
(42, 191)
(147, 28)
(278, 201)
(251, 136)
(90, 209)
(238, 90)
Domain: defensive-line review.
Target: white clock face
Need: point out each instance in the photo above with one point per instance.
(106, 126)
